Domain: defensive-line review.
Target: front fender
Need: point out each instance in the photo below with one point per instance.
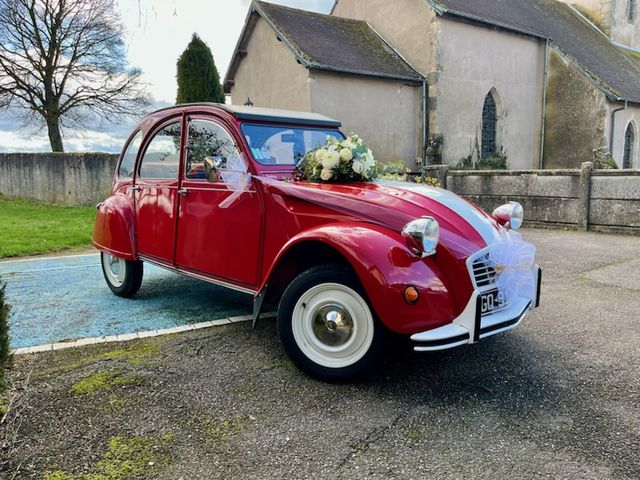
(114, 228)
(385, 267)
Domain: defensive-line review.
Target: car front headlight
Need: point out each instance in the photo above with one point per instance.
(423, 235)
(510, 215)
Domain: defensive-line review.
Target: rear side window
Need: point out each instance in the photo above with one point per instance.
(161, 159)
(128, 162)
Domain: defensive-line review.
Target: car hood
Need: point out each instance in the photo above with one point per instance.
(464, 228)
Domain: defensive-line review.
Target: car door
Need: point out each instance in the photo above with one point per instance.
(220, 219)
(156, 191)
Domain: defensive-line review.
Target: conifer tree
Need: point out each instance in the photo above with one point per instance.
(198, 78)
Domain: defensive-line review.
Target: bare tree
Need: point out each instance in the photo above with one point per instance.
(61, 60)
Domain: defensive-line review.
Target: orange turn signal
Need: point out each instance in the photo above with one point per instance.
(411, 295)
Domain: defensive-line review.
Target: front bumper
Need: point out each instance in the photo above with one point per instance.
(470, 326)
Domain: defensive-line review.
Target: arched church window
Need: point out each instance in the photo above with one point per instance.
(632, 11)
(629, 146)
(489, 121)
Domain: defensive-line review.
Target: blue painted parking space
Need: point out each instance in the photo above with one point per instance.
(65, 298)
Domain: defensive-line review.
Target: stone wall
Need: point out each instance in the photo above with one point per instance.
(576, 116)
(585, 199)
(62, 178)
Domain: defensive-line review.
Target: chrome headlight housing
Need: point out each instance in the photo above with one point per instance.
(422, 235)
(510, 215)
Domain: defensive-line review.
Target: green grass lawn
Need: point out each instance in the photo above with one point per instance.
(30, 228)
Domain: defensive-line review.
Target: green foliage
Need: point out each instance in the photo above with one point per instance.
(498, 161)
(222, 429)
(394, 170)
(431, 181)
(603, 160)
(198, 77)
(103, 380)
(5, 354)
(126, 458)
(29, 228)
(434, 149)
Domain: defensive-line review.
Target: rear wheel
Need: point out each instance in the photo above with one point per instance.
(326, 325)
(123, 277)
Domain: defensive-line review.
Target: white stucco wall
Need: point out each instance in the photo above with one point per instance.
(630, 115)
(474, 60)
(385, 113)
(270, 75)
(405, 24)
(623, 31)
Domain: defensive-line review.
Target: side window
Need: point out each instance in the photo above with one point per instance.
(161, 159)
(128, 162)
(208, 139)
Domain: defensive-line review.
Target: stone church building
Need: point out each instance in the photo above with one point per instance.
(543, 83)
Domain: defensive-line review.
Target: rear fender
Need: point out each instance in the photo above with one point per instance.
(114, 228)
(385, 267)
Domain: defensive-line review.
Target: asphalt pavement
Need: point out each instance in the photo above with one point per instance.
(556, 398)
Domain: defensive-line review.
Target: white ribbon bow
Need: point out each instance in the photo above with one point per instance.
(513, 259)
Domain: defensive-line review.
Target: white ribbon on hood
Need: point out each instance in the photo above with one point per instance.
(513, 259)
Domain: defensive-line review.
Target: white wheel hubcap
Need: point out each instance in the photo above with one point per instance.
(332, 325)
(115, 269)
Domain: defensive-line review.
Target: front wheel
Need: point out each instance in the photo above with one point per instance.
(123, 277)
(326, 325)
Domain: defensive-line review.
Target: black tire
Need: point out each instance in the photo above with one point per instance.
(300, 348)
(127, 283)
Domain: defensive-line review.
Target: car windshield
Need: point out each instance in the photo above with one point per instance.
(280, 145)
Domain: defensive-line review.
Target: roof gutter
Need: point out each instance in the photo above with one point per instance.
(613, 125)
(319, 66)
(545, 88)
(425, 121)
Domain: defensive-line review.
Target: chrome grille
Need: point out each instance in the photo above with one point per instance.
(482, 271)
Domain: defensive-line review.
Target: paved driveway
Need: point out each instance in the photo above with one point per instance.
(557, 398)
(64, 298)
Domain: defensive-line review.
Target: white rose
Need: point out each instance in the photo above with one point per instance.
(326, 174)
(320, 154)
(346, 154)
(368, 159)
(358, 167)
(331, 159)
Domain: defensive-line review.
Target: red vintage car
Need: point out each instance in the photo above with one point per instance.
(208, 191)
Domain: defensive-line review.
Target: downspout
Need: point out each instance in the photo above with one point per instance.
(425, 122)
(613, 125)
(544, 103)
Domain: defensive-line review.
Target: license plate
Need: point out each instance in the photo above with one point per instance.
(492, 301)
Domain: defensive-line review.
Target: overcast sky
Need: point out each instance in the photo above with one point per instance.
(157, 33)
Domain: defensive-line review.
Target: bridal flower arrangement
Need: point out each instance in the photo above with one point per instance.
(339, 161)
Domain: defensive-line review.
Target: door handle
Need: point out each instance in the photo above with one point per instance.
(183, 192)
